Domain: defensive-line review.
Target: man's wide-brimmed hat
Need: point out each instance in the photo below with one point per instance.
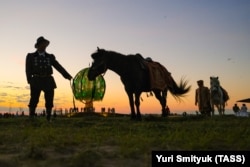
(41, 40)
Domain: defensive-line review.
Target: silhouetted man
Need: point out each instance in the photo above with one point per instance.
(39, 75)
(202, 98)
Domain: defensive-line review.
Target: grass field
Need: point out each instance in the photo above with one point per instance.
(114, 141)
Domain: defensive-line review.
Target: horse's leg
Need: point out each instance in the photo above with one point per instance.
(212, 109)
(137, 104)
(223, 108)
(131, 103)
(165, 112)
(219, 108)
(162, 100)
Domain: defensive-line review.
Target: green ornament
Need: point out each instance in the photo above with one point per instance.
(86, 90)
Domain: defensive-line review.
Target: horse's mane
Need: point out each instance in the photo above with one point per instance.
(111, 53)
(122, 57)
(115, 53)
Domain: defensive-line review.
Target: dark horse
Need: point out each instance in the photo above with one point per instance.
(135, 78)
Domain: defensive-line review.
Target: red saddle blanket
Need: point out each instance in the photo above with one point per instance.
(159, 76)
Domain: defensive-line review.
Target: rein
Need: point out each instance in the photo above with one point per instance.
(73, 101)
(105, 70)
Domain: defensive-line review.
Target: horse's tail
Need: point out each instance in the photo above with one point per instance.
(180, 90)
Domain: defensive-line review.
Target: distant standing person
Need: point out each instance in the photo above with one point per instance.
(236, 108)
(243, 108)
(39, 75)
(202, 98)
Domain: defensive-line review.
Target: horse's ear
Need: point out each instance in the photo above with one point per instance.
(100, 50)
(217, 77)
(210, 77)
(96, 54)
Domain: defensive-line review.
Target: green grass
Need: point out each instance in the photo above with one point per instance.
(114, 141)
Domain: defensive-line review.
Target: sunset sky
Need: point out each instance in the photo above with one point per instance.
(194, 39)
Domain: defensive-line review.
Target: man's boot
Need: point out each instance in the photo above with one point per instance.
(48, 112)
(32, 112)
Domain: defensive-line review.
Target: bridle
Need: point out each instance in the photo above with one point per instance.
(96, 68)
(215, 89)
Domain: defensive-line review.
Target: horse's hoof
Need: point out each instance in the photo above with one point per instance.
(139, 118)
(164, 115)
(133, 117)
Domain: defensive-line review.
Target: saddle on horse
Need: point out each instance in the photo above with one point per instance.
(225, 94)
(159, 76)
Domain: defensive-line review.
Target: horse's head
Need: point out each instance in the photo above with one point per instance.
(214, 84)
(99, 65)
(214, 81)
